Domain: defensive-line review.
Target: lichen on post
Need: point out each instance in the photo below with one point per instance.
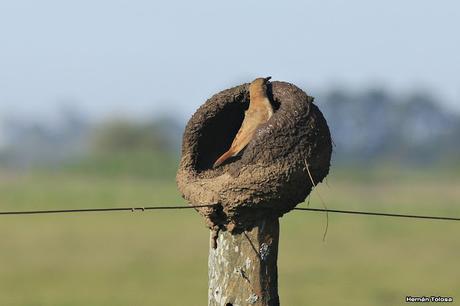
(250, 192)
(243, 266)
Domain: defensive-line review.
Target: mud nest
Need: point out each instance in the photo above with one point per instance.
(270, 177)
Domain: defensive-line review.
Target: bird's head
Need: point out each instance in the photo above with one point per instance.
(259, 86)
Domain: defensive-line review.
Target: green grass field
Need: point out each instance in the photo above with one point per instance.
(160, 257)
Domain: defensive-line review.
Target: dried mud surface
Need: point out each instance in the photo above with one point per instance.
(270, 177)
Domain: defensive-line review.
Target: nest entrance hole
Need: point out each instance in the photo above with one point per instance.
(218, 133)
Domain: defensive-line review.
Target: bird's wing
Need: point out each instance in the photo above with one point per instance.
(252, 119)
(242, 138)
(245, 134)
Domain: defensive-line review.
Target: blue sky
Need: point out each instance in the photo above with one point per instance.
(153, 57)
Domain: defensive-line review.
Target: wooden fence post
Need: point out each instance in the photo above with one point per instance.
(243, 266)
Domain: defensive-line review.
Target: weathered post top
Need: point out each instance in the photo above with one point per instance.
(250, 192)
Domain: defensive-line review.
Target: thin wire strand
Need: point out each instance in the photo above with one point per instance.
(381, 214)
(82, 210)
(140, 208)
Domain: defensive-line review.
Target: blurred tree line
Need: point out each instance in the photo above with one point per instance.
(375, 126)
(121, 135)
(117, 146)
(369, 127)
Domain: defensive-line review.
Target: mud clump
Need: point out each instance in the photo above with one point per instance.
(270, 177)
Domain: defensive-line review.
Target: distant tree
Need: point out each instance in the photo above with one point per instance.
(126, 135)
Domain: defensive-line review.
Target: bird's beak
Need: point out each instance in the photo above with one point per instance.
(267, 78)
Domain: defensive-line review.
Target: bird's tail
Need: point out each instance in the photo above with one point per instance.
(222, 158)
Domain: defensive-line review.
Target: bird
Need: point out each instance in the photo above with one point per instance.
(260, 111)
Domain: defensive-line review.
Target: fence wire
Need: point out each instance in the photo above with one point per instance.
(181, 207)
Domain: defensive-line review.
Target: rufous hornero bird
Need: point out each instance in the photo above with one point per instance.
(260, 111)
